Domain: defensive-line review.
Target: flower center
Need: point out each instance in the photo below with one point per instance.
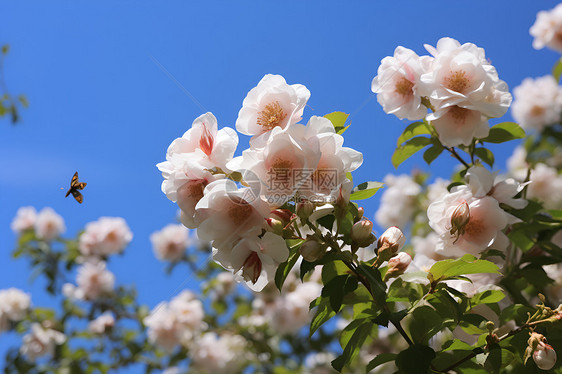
(112, 237)
(404, 87)
(239, 212)
(474, 227)
(252, 267)
(196, 190)
(271, 116)
(537, 110)
(459, 114)
(457, 81)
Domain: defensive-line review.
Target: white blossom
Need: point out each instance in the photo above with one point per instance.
(272, 103)
(291, 311)
(219, 354)
(397, 83)
(49, 225)
(397, 204)
(538, 103)
(14, 305)
(94, 280)
(41, 342)
(24, 220)
(106, 236)
(547, 29)
(170, 243)
(546, 185)
(102, 323)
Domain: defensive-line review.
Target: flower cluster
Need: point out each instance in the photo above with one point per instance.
(47, 224)
(14, 305)
(41, 341)
(547, 29)
(287, 163)
(457, 83)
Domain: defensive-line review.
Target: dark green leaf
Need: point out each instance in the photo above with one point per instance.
(381, 359)
(285, 268)
(416, 359)
(485, 155)
(353, 338)
(412, 130)
(432, 152)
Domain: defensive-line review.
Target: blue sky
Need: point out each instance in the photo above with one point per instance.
(101, 104)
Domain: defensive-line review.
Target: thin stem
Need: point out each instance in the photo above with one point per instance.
(457, 156)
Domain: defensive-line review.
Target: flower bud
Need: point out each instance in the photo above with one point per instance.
(544, 356)
(361, 233)
(459, 219)
(312, 249)
(283, 215)
(275, 226)
(398, 265)
(360, 212)
(304, 209)
(390, 243)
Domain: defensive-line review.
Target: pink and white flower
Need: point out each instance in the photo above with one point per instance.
(397, 204)
(546, 185)
(170, 243)
(14, 304)
(227, 213)
(547, 29)
(106, 236)
(93, 280)
(254, 260)
(465, 91)
(41, 342)
(102, 323)
(219, 354)
(397, 83)
(538, 103)
(49, 225)
(272, 103)
(24, 220)
(290, 313)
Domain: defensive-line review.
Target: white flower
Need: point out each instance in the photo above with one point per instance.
(319, 363)
(335, 159)
(255, 260)
(106, 236)
(517, 164)
(102, 323)
(162, 329)
(227, 213)
(214, 354)
(188, 313)
(284, 165)
(486, 219)
(546, 185)
(547, 29)
(14, 304)
(170, 243)
(465, 91)
(24, 220)
(49, 225)
(94, 280)
(425, 246)
(538, 103)
(397, 83)
(41, 342)
(483, 183)
(436, 189)
(397, 203)
(291, 312)
(272, 103)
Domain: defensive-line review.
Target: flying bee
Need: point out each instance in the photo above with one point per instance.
(75, 187)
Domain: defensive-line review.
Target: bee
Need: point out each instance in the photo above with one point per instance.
(75, 187)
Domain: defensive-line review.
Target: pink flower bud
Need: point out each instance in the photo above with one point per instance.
(544, 356)
(398, 265)
(360, 212)
(393, 239)
(361, 233)
(275, 226)
(283, 215)
(312, 250)
(304, 209)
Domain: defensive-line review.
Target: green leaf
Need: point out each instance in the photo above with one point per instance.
(456, 345)
(487, 297)
(353, 338)
(338, 119)
(503, 132)
(557, 70)
(485, 155)
(365, 190)
(497, 359)
(413, 129)
(405, 151)
(337, 288)
(381, 359)
(322, 315)
(433, 152)
(425, 322)
(378, 287)
(285, 268)
(416, 359)
(467, 264)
